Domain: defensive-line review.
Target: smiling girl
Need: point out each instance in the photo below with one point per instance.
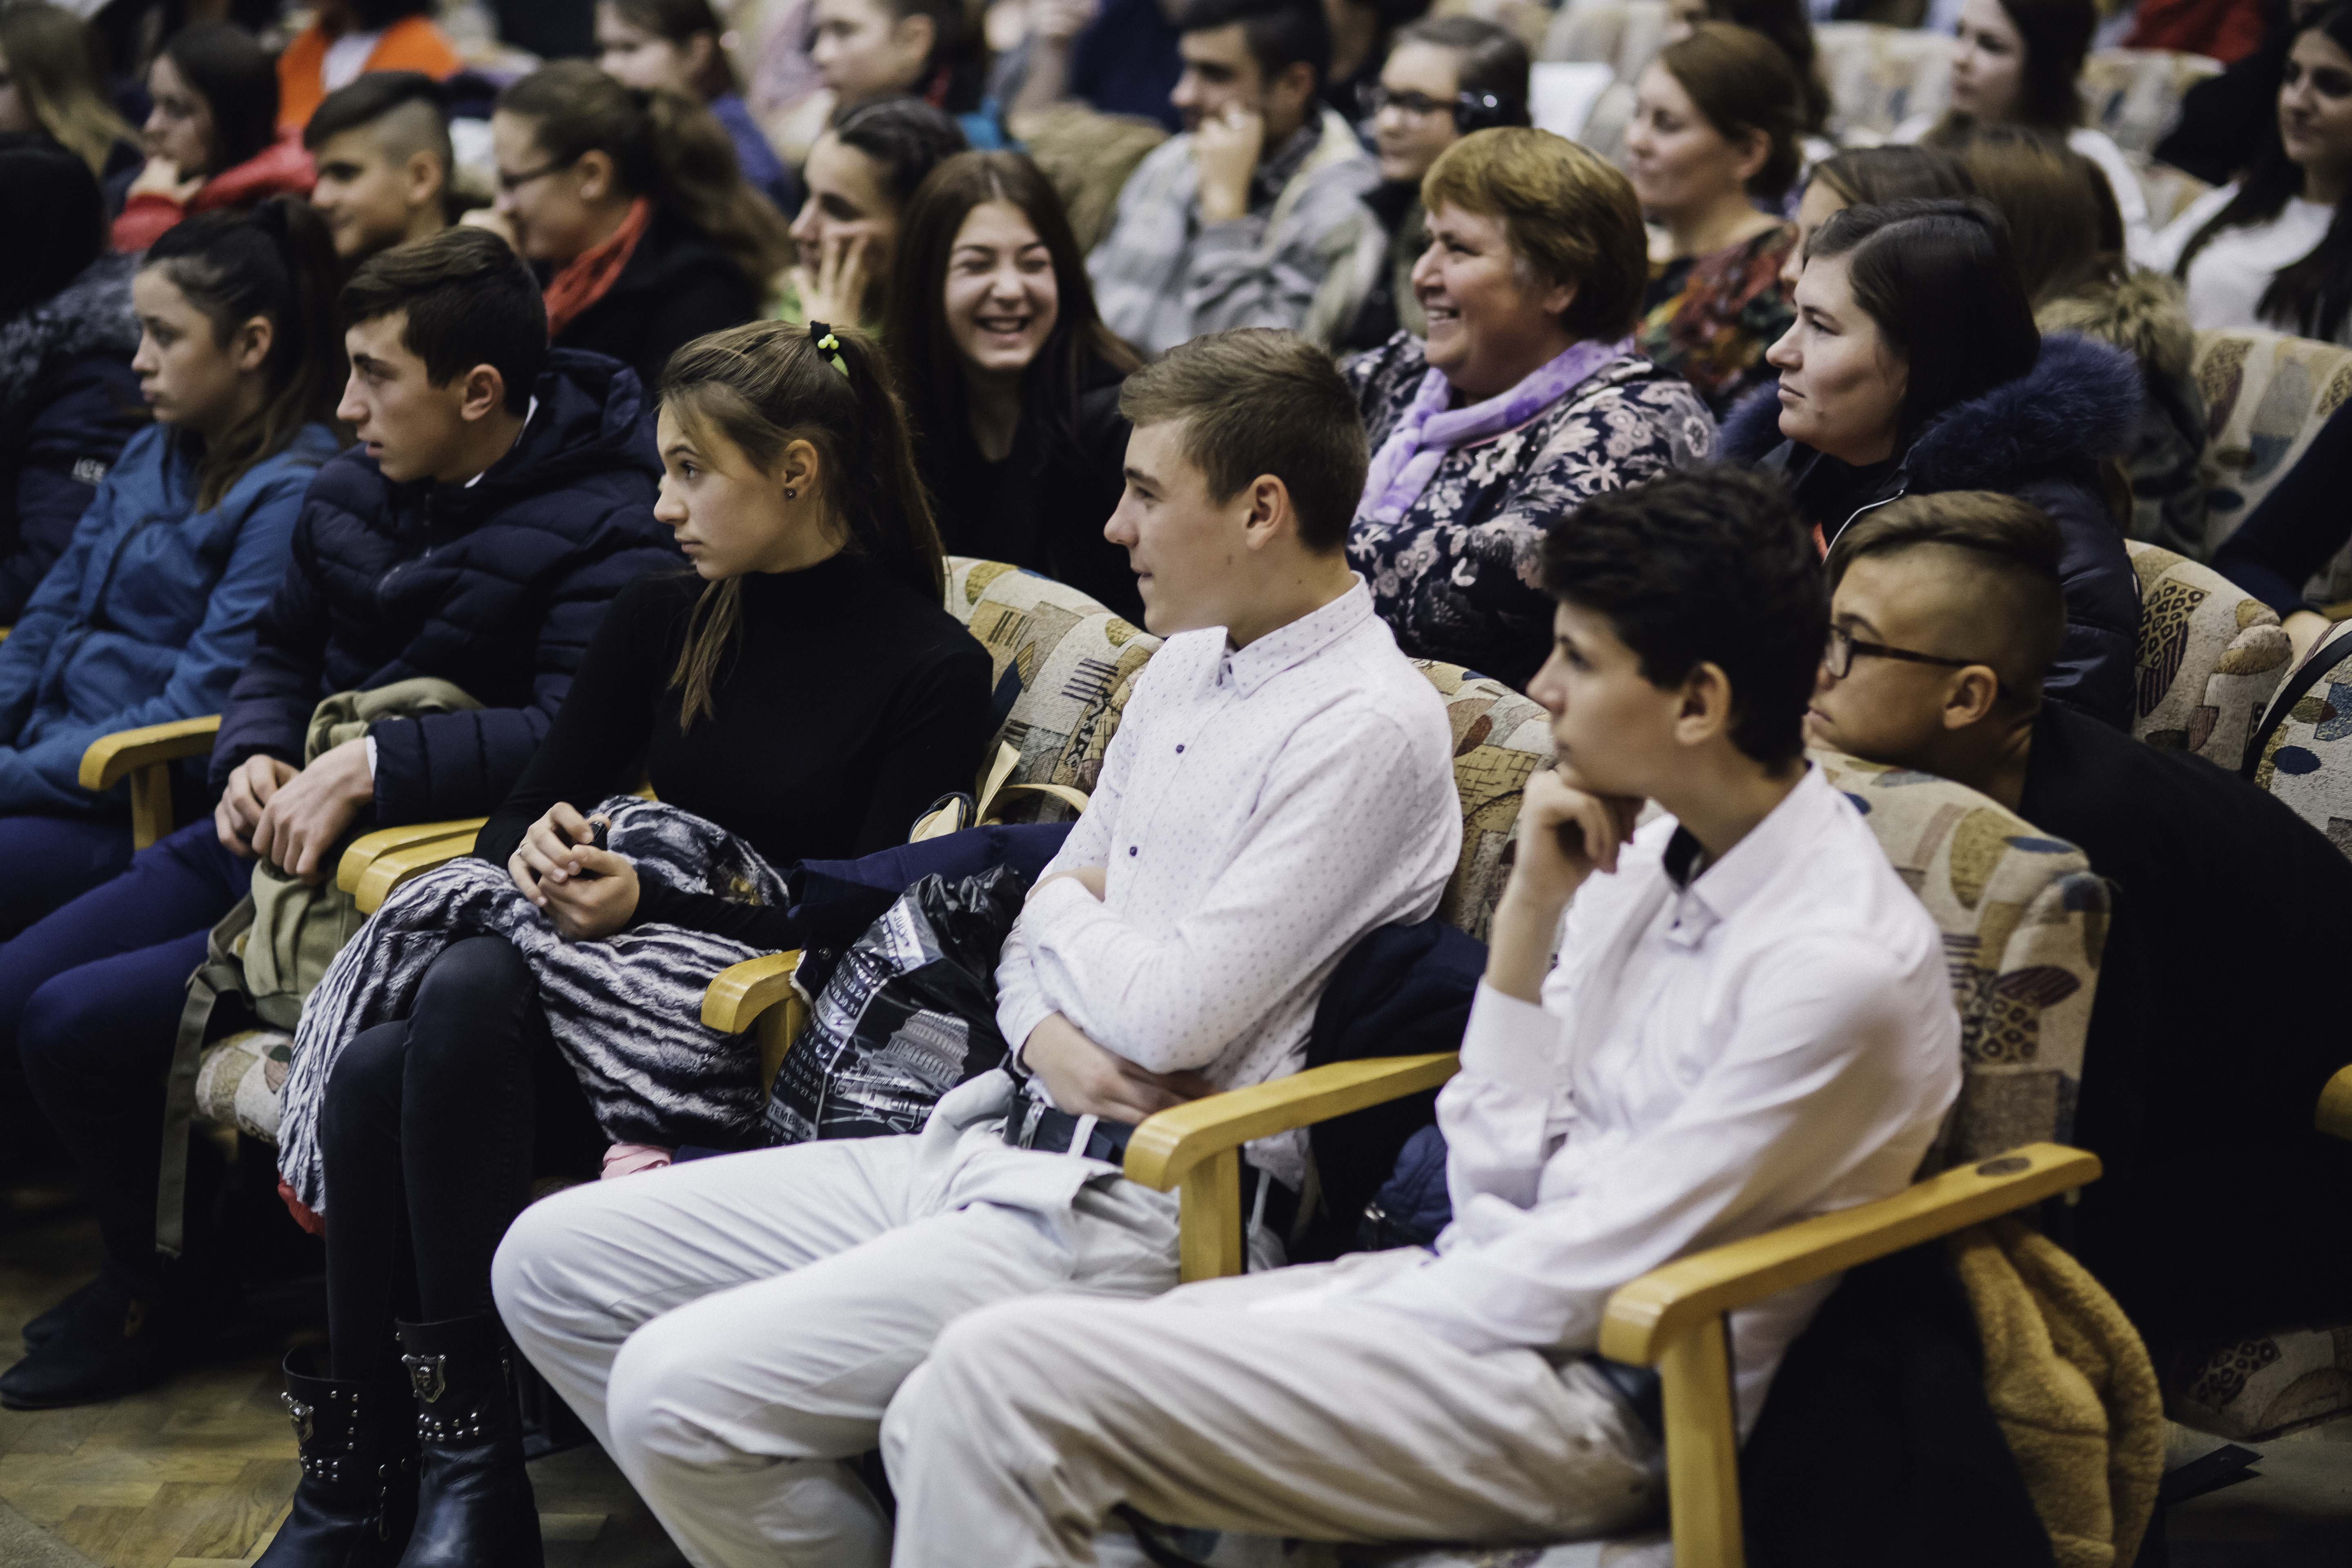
(1011, 378)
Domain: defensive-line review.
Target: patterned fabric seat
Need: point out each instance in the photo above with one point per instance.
(2306, 758)
(1623, 35)
(1880, 76)
(2024, 919)
(2133, 95)
(2210, 656)
(2266, 395)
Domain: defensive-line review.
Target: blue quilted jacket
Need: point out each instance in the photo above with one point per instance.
(149, 614)
(496, 586)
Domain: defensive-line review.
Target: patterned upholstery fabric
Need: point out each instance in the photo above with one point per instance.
(1880, 76)
(2306, 761)
(2266, 395)
(1499, 739)
(2133, 95)
(1623, 35)
(2023, 921)
(2210, 657)
(2256, 1388)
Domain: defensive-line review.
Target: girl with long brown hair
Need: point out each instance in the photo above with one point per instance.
(1013, 378)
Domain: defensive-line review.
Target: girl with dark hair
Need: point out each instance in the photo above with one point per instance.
(1446, 78)
(2069, 242)
(1865, 176)
(870, 50)
(1012, 380)
(1785, 21)
(631, 206)
(2016, 63)
(148, 614)
(676, 45)
(1914, 367)
(1713, 141)
(2275, 249)
(348, 38)
(802, 690)
(212, 138)
(52, 85)
(861, 175)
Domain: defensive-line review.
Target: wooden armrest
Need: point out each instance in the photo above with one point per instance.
(111, 758)
(1196, 1147)
(742, 992)
(2335, 1114)
(368, 847)
(1166, 1148)
(1662, 1306)
(390, 870)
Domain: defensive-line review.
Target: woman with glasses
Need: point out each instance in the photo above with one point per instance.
(1445, 78)
(1915, 368)
(631, 206)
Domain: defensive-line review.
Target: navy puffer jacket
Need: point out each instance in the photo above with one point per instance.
(2040, 438)
(497, 587)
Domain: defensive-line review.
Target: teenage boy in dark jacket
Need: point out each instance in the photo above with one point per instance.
(501, 495)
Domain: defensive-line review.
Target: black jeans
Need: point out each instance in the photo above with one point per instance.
(432, 1131)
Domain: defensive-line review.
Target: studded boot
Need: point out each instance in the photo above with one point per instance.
(357, 1498)
(474, 1505)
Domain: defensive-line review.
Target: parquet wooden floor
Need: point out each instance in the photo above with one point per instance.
(198, 1473)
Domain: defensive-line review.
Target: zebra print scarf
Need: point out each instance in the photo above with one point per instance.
(626, 1011)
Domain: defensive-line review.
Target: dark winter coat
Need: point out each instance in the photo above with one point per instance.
(68, 403)
(677, 287)
(497, 587)
(148, 615)
(2040, 438)
(2146, 316)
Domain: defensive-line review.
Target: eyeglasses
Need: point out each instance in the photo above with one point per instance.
(511, 183)
(1373, 98)
(1837, 654)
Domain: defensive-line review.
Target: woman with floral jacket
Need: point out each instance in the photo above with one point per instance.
(1525, 399)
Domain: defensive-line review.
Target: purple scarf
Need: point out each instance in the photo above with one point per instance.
(1408, 459)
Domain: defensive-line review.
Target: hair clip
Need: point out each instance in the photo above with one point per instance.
(827, 344)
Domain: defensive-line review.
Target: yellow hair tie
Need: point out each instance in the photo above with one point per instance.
(827, 344)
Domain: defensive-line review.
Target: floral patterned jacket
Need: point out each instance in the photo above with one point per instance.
(1457, 577)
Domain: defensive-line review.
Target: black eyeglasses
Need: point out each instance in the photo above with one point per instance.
(1372, 97)
(1837, 654)
(511, 183)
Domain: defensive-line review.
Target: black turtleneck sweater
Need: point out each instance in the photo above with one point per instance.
(850, 702)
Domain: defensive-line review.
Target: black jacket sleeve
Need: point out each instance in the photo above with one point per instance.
(709, 299)
(2092, 672)
(2301, 522)
(269, 708)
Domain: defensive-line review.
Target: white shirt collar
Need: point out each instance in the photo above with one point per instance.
(527, 415)
(1251, 668)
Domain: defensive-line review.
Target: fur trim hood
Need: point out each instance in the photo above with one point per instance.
(2146, 315)
(89, 315)
(2079, 403)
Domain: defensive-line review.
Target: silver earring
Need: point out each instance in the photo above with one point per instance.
(790, 494)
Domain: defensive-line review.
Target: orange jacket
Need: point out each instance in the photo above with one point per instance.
(411, 44)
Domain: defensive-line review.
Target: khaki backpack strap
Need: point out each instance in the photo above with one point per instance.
(221, 974)
(1064, 792)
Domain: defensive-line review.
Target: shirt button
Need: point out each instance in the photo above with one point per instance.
(1130, 849)
(1180, 751)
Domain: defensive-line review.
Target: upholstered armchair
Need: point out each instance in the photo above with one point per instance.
(2209, 657)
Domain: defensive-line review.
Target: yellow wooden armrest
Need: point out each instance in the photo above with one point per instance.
(759, 991)
(1196, 1147)
(2335, 1115)
(1672, 1317)
(111, 758)
(390, 870)
(368, 846)
(143, 755)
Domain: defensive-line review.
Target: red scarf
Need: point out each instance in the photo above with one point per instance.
(589, 275)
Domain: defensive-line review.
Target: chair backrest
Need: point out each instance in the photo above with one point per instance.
(1623, 35)
(2266, 395)
(2133, 95)
(2024, 919)
(1065, 667)
(1500, 737)
(2210, 654)
(2306, 758)
(1880, 76)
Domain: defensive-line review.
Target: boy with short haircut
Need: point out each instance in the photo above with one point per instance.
(1749, 1023)
(2211, 1034)
(382, 149)
(1281, 783)
(1253, 216)
(502, 495)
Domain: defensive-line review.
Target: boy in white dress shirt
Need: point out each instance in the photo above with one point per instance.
(1749, 1023)
(1282, 783)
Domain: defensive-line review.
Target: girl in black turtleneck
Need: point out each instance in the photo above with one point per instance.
(803, 687)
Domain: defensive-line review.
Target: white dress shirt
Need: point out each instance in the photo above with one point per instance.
(1259, 810)
(1772, 1040)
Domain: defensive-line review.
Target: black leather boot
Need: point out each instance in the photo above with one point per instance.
(474, 1504)
(358, 1495)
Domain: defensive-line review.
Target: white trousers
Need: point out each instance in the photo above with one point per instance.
(732, 1330)
(1031, 1422)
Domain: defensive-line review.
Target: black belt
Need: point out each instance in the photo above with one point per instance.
(1034, 1124)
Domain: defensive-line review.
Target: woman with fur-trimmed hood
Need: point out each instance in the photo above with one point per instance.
(1914, 367)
